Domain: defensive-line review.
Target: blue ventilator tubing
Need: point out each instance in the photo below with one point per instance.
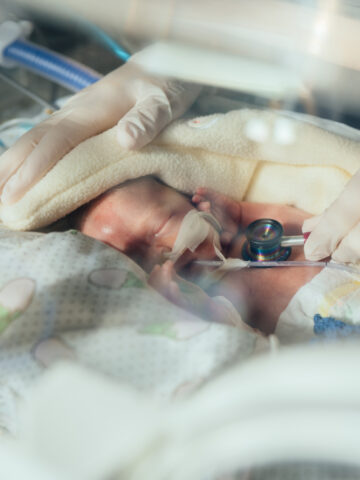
(58, 68)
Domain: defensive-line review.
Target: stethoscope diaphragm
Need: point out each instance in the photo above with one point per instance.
(265, 241)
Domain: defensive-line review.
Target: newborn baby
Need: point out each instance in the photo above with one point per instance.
(142, 218)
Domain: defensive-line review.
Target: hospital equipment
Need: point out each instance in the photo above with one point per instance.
(16, 50)
(265, 241)
(238, 264)
(310, 41)
(26, 91)
(266, 246)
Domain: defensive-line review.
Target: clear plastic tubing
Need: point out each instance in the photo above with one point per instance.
(305, 263)
(57, 68)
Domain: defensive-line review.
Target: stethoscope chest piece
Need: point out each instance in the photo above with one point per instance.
(263, 241)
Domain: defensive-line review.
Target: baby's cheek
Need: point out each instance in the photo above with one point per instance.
(110, 233)
(90, 227)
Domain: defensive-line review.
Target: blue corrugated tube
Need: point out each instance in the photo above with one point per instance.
(55, 67)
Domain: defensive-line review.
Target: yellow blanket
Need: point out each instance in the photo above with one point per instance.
(253, 155)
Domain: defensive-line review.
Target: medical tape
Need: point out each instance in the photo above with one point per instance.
(194, 229)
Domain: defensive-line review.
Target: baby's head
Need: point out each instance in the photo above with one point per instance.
(142, 219)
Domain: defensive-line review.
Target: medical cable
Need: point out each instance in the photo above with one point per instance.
(236, 263)
(107, 41)
(27, 92)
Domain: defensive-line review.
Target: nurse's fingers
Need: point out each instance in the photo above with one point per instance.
(52, 146)
(349, 248)
(143, 122)
(157, 104)
(12, 159)
(310, 223)
(335, 223)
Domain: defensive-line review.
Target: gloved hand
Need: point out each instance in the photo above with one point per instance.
(139, 104)
(337, 231)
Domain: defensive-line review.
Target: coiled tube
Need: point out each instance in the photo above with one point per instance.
(58, 68)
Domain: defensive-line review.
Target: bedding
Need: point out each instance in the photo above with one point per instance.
(259, 156)
(67, 296)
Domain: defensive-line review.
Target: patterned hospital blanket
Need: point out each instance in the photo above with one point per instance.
(66, 296)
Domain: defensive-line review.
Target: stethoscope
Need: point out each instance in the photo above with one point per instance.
(265, 241)
(266, 246)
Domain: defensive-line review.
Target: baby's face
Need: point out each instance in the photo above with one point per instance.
(142, 219)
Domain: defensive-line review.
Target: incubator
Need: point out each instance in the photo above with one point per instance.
(223, 362)
(37, 80)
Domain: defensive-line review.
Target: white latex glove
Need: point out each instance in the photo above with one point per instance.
(337, 231)
(139, 104)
